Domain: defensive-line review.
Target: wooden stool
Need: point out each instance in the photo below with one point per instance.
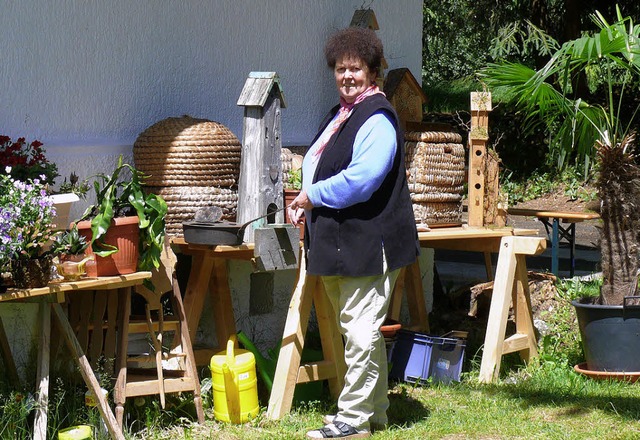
(144, 375)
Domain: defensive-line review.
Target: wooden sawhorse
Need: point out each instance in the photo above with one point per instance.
(289, 372)
(510, 287)
(510, 280)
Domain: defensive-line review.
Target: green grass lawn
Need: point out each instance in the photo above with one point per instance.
(543, 400)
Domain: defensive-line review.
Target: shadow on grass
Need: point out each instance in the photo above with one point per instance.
(579, 396)
(405, 410)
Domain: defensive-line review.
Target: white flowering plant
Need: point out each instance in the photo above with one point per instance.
(26, 218)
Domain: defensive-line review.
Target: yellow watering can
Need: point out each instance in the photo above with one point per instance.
(235, 390)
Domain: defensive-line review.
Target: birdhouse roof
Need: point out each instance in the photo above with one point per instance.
(396, 76)
(365, 18)
(257, 88)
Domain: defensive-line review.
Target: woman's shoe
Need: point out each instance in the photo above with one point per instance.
(338, 430)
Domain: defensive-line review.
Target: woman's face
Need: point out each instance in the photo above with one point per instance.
(352, 77)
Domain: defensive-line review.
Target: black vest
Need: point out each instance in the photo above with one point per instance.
(349, 241)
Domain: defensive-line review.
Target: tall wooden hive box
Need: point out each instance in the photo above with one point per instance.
(190, 163)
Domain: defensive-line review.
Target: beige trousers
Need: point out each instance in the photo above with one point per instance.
(360, 305)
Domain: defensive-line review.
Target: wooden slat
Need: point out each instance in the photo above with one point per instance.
(313, 371)
(515, 342)
(201, 267)
(415, 297)
(331, 339)
(222, 306)
(568, 216)
(87, 373)
(295, 329)
(97, 336)
(42, 373)
(110, 336)
(498, 313)
(7, 356)
(100, 283)
(143, 385)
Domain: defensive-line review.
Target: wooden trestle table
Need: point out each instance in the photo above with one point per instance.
(50, 298)
(209, 275)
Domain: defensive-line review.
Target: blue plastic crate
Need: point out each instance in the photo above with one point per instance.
(417, 357)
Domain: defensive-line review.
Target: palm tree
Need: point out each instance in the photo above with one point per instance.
(546, 97)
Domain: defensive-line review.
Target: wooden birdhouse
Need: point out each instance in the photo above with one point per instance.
(478, 137)
(405, 94)
(365, 18)
(260, 182)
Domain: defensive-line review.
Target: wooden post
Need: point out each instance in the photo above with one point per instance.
(480, 108)
(260, 182)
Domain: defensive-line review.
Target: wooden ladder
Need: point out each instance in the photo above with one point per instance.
(143, 375)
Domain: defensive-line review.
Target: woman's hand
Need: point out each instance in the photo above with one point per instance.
(297, 207)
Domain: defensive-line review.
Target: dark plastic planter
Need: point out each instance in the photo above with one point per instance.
(610, 336)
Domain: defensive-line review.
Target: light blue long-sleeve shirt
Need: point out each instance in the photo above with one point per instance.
(374, 149)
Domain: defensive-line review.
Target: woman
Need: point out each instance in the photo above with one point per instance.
(360, 228)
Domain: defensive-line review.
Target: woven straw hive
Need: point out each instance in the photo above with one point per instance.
(191, 163)
(435, 164)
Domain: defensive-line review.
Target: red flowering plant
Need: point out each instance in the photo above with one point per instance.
(27, 161)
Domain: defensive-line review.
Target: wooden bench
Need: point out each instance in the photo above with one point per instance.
(556, 232)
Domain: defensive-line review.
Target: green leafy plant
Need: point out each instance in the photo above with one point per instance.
(121, 194)
(75, 186)
(294, 180)
(69, 242)
(547, 96)
(26, 218)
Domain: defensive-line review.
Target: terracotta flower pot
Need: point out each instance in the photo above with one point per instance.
(124, 234)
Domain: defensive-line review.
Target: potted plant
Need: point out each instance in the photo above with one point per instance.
(292, 187)
(26, 227)
(611, 324)
(69, 247)
(121, 204)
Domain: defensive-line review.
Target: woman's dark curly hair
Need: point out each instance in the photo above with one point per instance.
(356, 42)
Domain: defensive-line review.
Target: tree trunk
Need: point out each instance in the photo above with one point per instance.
(619, 249)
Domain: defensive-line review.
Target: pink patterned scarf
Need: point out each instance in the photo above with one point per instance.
(343, 115)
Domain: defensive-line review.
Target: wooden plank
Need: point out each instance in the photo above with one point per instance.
(199, 276)
(527, 245)
(97, 335)
(395, 305)
(87, 373)
(516, 342)
(42, 373)
(110, 336)
(522, 309)
(568, 216)
(86, 304)
(331, 339)
(221, 303)
(120, 387)
(7, 356)
(314, 371)
(295, 329)
(187, 348)
(415, 297)
(54, 288)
